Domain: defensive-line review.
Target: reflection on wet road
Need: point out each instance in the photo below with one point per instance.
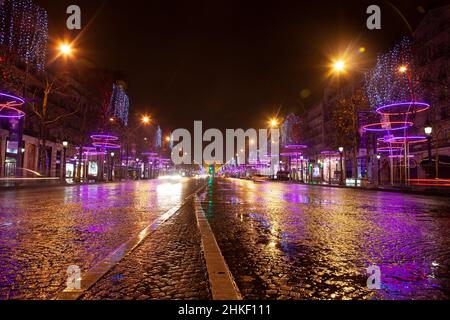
(286, 241)
(44, 231)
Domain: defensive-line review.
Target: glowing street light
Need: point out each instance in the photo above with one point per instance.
(339, 66)
(274, 123)
(146, 120)
(341, 178)
(428, 130)
(403, 69)
(65, 49)
(168, 139)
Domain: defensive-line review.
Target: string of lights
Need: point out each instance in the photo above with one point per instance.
(24, 31)
(385, 85)
(119, 103)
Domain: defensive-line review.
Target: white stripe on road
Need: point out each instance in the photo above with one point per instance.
(223, 286)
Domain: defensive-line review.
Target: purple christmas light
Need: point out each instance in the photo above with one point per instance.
(396, 109)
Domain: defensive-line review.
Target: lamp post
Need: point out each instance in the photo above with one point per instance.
(341, 153)
(321, 171)
(112, 166)
(65, 146)
(379, 169)
(302, 177)
(329, 170)
(138, 169)
(428, 132)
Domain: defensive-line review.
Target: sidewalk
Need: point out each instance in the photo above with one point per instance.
(429, 191)
(48, 184)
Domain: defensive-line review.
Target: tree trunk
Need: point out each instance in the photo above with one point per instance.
(42, 151)
(80, 159)
(355, 165)
(437, 158)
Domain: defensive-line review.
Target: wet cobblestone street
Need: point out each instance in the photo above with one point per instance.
(280, 241)
(285, 241)
(44, 231)
(168, 265)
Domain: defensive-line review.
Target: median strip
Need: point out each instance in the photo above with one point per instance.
(223, 286)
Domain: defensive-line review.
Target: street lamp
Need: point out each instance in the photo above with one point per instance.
(65, 49)
(112, 166)
(146, 120)
(341, 153)
(379, 168)
(403, 69)
(428, 131)
(302, 169)
(321, 171)
(339, 66)
(65, 146)
(274, 122)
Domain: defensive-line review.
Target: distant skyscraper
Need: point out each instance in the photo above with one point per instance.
(119, 104)
(24, 31)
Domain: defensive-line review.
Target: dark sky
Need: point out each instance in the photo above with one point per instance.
(230, 63)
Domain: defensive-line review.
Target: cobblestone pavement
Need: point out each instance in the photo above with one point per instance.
(44, 231)
(286, 241)
(168, 265)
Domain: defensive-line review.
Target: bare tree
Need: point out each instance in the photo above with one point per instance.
(47, 117)
(346, 121)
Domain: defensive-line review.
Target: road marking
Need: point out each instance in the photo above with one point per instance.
(223, 286)
(92, 276)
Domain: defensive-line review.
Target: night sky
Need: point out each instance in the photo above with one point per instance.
(230, 63)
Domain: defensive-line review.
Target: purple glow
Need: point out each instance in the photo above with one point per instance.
(329, 153)
(419, 106)
(378, 127)
(401, 156)
(389, 149)
(17, 102)
(104, 137)
(150, 154)
(296, 146)
(291, 154)
(409, 139)
(9, 108)
(106, 145)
